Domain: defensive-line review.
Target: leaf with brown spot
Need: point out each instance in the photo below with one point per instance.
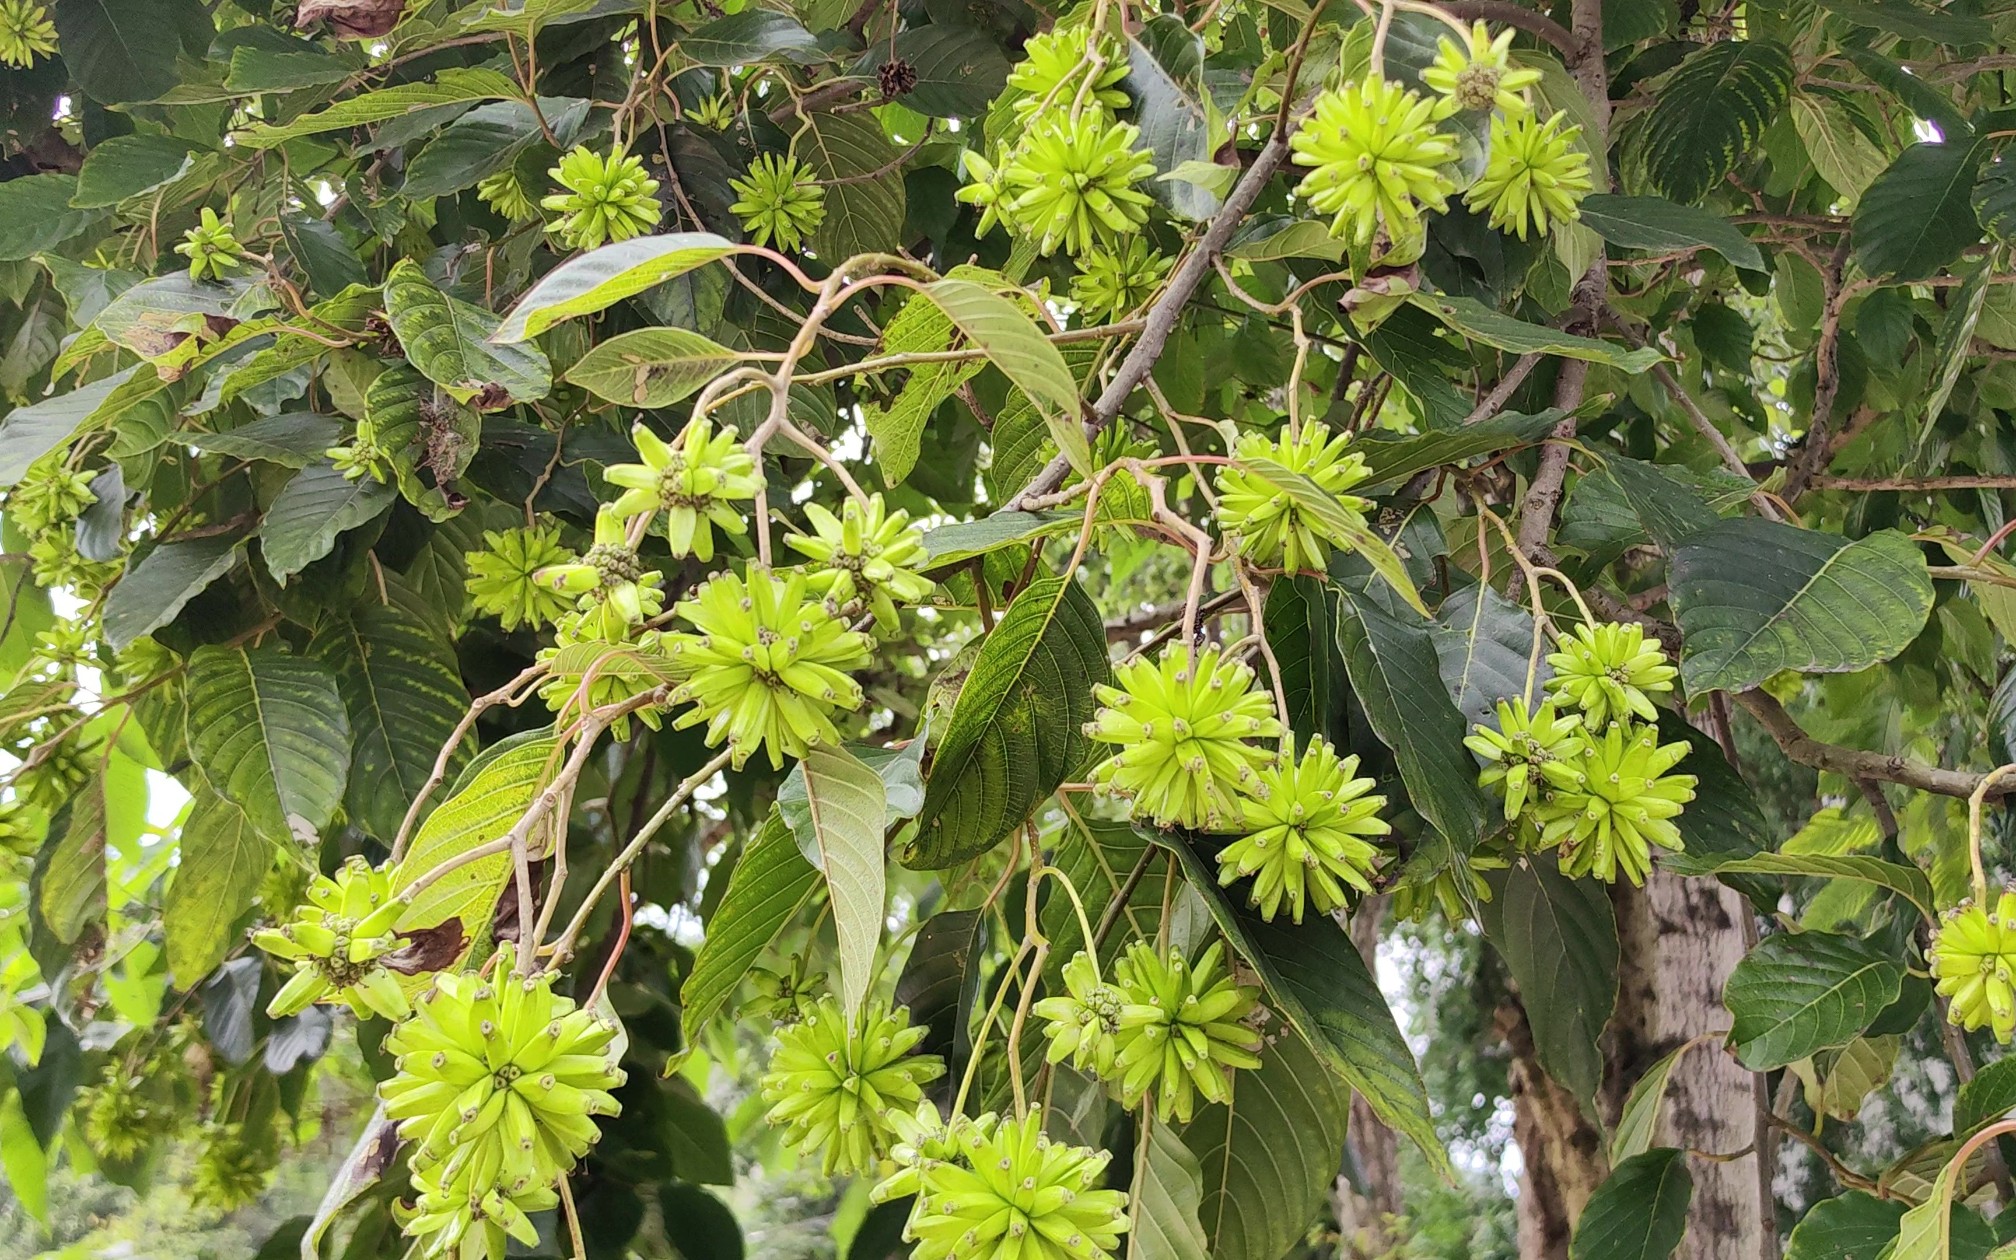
(351, 19)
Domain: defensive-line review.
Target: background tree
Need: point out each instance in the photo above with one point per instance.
(905, 628)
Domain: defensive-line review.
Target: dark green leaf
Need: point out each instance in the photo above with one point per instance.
(71, 867)
(28, 433)
(431, 438)
(1390, 463)
(1299, 629)
(1479, 322)
(153, 591)
(1995, 197)
(268, 731)
(126, 166)
(117, 52)
(1852, 1226)
(1900, 17)
(959, 69)
(1800, 992)
(486, 140)
(311, 510)
(1558, 937)
(1986, 1098)
(960, 541)
(224, 859)
(699, 1225)
(1395, 674)
(1016, 730)
(1165, 81)
(766, 890)
(941, 982)
(293, 439)
(1712, 113)
(1908, 881)
(694, 1137)
(1662, 226)
(448, 340)
(1484, 644)
(1754, 598)
(453, 86)
(1639, 1212)
(1919, 214)
(865, 214)
(749, 36)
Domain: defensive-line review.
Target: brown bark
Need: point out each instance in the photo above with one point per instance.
(1562, 1150)
(1364, 1215)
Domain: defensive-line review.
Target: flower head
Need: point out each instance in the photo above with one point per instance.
(337, 943)
(1182, 1032)
(26, 32)
(1478, 75)
(1309, 832)
(501, 582)
(1377, 157)
(1973, 961)
(1083, 1022)
(868, 557)
(696, 479)
(766, 664)
(50, 495)
(1535, 177)
(119, 1116)
(1609, 671)
(1624, 806)
(1183, 724)
(607, 198)
(1058, 69)
(833, 1085)
(500, 1076)
(1072, 183)
(1277, 530)
(779, 200)
(232, 1170)
(210, 247)
(1529, 753)
(1017, 1195)
(1112, 282)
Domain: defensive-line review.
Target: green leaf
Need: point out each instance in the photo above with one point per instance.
(1851, 1074)
(747, 37)
(301, 525)
(403, 691)
(361, 1169)
(864, 214)
(1395, 674)
(28, 433)
(491, 797)
(1985, 1099)
(1845, 157)
(1712, 114)
(22, 1157)
(1024, 355)
(1407, 346)
(1800, 992)
(961, 541)
(1389, 463)
(1851, 1226)
(126, 166)
(1167, 1192)
(1639, 1212)
(1269, 1157)
(486, 140)
(1754, 598)
(1899, 17)
(1337, 522)
(117, 52)
(1940, 1228)
(1017, 728)
(1638, 1122)
(1995, 197)
(268, 731)
(600, 278)
(1274, 239)
(1907, 881)
(843, 815)
(1316, 980)
(898, 426)
(162, 316)
(651, 367)
(694, 1136)
(1299, 629)
(1558, 937)
(941, 982)
(154, 590)
(223, 861)
(451, 87)
(278, 63)
(1662, 226)
(1919, 214)
(1165, 80)
(767, 888)
(447, 339)
(1484, 645)
(431, 439)
(292, 439)
(1479, 322)
(71, 867)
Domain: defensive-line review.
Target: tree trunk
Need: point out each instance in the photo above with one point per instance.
(1561, 1149)
(1681, 938)
(1368, 1192)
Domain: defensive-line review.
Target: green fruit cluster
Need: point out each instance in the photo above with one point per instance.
(607, 197)
(337, 943)
(836, 1085)
(1973, 963)
(1280, 530)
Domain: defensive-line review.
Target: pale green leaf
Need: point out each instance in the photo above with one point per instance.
(1167, 1192)
(1479, 322)
(1025, 356)
(651, 367)
(491, 797)
(223, 861)
(603, 277)
(845, 812)
(1661, 226)
(451, 87)
(154, 590)
(447, 339)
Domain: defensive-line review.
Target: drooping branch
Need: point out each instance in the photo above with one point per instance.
(1505, 13)
(1168, 309)
(1918, 485)
(1858, 763)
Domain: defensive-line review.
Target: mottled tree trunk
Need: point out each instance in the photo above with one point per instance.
(1562, 1151)
(1368, 1193)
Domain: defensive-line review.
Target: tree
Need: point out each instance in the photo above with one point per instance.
(870, 621)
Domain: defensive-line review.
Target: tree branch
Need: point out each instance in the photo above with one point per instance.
(1505, 13)
(1857, 763)
(1927, 485)
(1168, 309)
(1817, 451)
